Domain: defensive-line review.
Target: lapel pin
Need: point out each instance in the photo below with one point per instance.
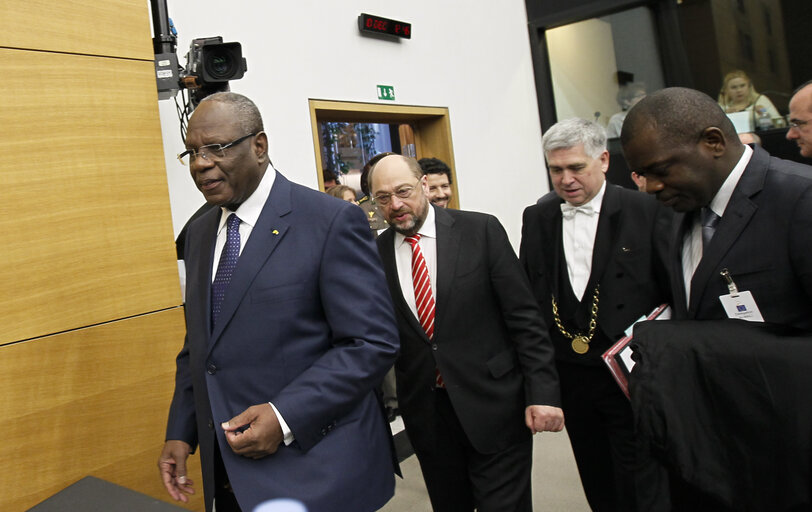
(626, 249)
(275, 232)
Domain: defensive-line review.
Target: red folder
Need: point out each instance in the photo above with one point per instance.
(618, 357)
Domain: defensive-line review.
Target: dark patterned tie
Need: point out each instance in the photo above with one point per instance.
(228, 261)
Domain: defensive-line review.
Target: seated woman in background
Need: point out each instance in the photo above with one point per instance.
(739, 95)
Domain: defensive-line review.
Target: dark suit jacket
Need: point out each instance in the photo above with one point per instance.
(627, 261)
(764, 239)
(490, 343)
(306, 324)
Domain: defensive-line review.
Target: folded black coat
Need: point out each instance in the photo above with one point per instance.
(724, 405)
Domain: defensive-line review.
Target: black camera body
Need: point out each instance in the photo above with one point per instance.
(213, 62)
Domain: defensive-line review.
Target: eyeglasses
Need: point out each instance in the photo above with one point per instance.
(796, 123)
(210, 151)
(404, 192)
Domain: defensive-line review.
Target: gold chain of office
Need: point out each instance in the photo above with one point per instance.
(580, 342)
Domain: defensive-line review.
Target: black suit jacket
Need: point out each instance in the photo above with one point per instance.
(627, 261)
(764, 239)
(490, 342)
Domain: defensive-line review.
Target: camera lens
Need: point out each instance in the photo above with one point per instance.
(220, 65)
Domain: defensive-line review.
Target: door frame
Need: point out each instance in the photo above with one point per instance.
(431, 125)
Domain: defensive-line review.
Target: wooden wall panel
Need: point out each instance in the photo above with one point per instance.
(118, 28)
(89, 402)
(85, 215)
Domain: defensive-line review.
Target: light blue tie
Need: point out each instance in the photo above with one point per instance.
(228, 261)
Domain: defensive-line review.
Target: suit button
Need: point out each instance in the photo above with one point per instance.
(619, 274)
(211, 369)
(211, 424)
(434, 346)
(620, 306)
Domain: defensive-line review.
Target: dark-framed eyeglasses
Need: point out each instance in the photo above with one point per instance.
(210, 151)
(404, 192)
(796, 123)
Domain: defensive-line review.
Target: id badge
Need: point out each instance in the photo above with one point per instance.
(740, 305)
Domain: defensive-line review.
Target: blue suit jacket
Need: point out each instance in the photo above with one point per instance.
(307, 324)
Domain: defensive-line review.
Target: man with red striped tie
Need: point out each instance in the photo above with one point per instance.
(475, 375)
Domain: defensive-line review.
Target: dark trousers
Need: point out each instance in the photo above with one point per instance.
(459, 478)
(224, 499)
(600, 425)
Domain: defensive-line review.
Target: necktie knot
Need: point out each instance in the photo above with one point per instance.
(709, 220)
(568, 211)
(412, 240)
(233, 221)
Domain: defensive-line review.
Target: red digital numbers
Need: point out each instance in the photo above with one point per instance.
(385, 26)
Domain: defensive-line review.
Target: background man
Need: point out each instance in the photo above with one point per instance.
(739, 211)
(438, 177)
(276, 376)
(475, 375)
(800, 119)
(589, 250)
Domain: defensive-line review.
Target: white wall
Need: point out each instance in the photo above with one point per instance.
(583, 69)
(471, 56)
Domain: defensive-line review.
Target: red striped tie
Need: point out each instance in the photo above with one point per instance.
(422, 287)
(423, 298)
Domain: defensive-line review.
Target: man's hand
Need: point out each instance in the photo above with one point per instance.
(543, 418)
(255, 432)
(172, 467)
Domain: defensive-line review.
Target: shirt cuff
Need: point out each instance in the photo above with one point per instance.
(286, 432)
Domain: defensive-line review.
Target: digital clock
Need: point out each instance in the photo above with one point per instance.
(376, 25)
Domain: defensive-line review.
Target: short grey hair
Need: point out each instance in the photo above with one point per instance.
(245, 110)
(571, 132)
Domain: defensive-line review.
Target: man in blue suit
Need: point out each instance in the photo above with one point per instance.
(275, 382)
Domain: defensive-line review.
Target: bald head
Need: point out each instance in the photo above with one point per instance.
(683, 144)
(800, 119)
(679, 116)
(392, 159)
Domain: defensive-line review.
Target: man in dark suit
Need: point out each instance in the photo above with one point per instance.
(275, 379)
(743, 231)
(475, 375)
(589, 249)
(757, 210)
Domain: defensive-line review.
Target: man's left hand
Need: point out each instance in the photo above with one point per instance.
(543, 418)
(255, 432)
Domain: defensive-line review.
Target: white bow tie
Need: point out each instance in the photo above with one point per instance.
(568, 211)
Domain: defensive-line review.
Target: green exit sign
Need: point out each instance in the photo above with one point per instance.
(386, 92)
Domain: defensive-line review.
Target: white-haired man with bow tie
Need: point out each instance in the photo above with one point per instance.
(595, 267)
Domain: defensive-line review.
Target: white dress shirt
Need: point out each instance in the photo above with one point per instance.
(403, 259)
(248, 212)
(692, 239)
(578, 237)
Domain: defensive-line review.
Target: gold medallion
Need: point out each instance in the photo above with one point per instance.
(580, 344)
